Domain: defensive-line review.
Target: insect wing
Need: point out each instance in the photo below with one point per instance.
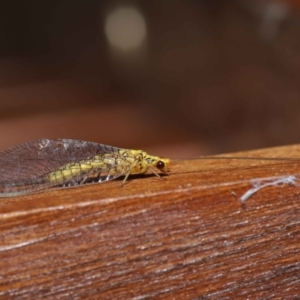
(26, 164)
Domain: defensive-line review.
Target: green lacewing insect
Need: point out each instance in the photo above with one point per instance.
(41, 164)
(38, 165)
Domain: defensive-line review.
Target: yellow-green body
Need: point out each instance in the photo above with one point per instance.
(125, 162)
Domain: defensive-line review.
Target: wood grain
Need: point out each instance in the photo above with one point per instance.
(183, 236)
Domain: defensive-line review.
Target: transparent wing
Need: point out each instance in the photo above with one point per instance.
(24, 168)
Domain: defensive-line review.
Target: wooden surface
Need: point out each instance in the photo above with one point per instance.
(183, 236)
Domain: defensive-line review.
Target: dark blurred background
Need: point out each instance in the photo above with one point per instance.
(181, 78)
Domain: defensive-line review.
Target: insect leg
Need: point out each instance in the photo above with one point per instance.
(83, 180)
(153, 171)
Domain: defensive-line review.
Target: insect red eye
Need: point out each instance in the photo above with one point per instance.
(160, 165)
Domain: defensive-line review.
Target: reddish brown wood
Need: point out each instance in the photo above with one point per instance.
(181, 237)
